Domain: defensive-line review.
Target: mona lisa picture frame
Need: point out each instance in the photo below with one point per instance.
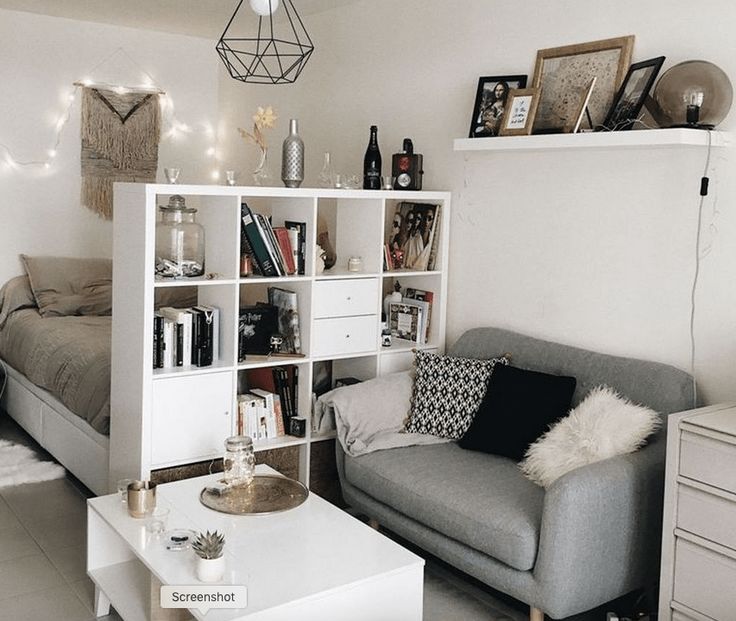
(490, 102)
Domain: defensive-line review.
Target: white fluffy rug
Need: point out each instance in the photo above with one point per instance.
(20, 464)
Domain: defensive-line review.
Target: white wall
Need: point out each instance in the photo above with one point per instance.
(40, 58)
(593, 249)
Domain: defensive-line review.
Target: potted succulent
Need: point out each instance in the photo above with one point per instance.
(210, 560)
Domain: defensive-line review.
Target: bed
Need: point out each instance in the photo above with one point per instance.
(55, 339)
(55, 326)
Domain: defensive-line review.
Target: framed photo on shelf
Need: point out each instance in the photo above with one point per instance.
(490, 102)
(633, 93)
(521, 107)
(560, 71)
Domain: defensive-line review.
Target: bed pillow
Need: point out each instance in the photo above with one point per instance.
(15, 295)
(447, 393)
(517, 409)
(70, 286)
(603, 425)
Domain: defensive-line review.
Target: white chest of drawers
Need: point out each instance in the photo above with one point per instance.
(698, 579)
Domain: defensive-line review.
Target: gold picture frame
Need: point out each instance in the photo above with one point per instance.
(564, 72)
(521, 108)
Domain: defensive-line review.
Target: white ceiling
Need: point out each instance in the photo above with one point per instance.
(201, 18)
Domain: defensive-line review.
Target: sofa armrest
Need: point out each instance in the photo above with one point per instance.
(601, 530)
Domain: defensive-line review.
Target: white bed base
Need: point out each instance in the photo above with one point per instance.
(80, 449)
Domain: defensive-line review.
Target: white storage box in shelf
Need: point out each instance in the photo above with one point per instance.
(643, 139)
(164, 417)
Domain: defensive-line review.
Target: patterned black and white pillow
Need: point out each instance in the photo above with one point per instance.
(447, 393)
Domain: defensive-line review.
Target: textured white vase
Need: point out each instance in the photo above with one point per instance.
(210, 569)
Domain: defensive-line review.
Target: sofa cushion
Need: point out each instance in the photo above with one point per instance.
(481, 500)
(518, 407)
(447, 393)
(603, 425)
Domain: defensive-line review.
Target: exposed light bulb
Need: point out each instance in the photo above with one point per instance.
(215, 174)
(264, 7)
(120, 90)
(211, 151)
(52, 153)
(47, 165)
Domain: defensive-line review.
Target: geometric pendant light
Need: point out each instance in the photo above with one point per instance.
(269, 52)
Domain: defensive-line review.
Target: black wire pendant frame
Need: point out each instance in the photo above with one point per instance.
(267, 58)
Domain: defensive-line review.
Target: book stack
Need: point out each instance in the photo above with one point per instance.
(265, 411)
(184, 337)
(274, 251)
(410, 318)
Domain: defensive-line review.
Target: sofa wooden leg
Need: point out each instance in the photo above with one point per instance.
(373, 523)
(535, 614)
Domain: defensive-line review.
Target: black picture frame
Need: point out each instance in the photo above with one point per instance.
(487, 103)
(630, 98)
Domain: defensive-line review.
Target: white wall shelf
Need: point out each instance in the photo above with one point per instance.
(637, 139)
(169, 417)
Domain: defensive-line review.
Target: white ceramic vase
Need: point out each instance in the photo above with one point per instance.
(210, 569)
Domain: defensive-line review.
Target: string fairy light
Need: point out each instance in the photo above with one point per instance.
(174, 128)
(14, 163)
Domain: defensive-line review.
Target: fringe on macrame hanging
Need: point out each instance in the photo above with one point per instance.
(120, 136)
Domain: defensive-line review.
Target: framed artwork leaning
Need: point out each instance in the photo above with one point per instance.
(564, 75)
(490, 102)
(633, 93)
(521, 107)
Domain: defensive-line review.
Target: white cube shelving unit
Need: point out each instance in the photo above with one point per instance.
(168, 417)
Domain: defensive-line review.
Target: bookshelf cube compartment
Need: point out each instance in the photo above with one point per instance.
(414, 230)
(218, 216)
(354, 227)
(191, 418)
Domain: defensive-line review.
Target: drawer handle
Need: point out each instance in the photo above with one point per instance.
(349, 298)
(347, 336)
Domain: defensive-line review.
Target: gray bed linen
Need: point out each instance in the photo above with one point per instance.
(68, 356)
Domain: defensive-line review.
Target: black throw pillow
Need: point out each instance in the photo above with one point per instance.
(518, 407)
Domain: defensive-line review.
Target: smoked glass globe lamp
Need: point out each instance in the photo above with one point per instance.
(694, 93)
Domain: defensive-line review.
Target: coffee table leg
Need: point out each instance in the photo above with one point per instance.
(102, 603)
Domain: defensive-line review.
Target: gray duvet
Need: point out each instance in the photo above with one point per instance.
(68, 356)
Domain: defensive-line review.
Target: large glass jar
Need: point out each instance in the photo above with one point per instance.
(240, 461)
(179, 241)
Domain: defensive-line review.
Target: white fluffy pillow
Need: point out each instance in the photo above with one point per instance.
(604, 424)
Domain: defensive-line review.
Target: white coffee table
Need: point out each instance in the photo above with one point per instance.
(314, 562)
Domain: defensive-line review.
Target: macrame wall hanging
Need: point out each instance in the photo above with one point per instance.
(121, 129)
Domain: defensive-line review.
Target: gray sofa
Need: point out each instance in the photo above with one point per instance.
(594, 535)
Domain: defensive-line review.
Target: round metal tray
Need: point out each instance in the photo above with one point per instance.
(266, 494)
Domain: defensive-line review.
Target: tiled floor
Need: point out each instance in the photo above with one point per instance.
(42, 549)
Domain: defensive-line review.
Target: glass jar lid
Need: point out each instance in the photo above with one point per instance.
(177, 203)
(235, 444)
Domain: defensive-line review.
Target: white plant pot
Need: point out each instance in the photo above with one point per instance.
(210, 569)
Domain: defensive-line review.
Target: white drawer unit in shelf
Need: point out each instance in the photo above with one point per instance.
(175, 416)
(699, 533)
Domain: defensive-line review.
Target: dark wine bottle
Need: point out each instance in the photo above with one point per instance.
(372, 163)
